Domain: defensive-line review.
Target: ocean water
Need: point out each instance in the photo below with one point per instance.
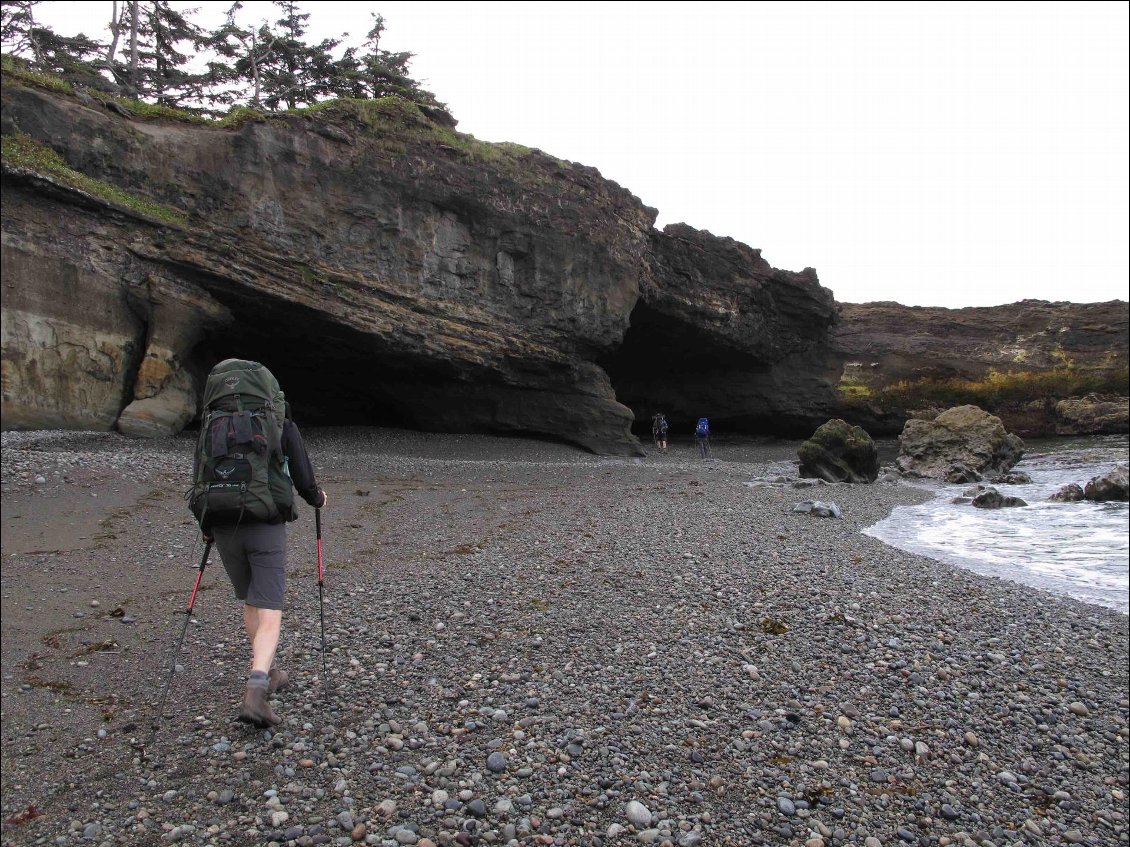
(1081, 550)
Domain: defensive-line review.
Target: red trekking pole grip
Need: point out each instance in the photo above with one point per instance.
(199, 575)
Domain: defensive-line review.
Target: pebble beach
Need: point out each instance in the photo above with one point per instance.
(530, 645)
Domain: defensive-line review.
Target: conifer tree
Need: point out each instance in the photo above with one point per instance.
(296, 73)
(73, 58)
(382, 73)
(154, 64)
(168, 79)
(18, 29)
(235, 76)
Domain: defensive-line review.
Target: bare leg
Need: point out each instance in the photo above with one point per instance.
(263, 626)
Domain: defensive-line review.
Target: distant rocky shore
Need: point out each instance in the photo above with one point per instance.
(536, 646)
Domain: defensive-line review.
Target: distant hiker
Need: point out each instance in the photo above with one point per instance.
(249, 460)
(659, 431)
(702, 437)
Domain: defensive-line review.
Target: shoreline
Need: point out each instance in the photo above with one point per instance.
(650, 630)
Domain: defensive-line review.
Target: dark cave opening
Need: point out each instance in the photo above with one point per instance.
(670, 366)
(316, 361)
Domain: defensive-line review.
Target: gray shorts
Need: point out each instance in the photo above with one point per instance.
(254, 555)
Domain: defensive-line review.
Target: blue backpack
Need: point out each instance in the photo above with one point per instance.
(702, 428)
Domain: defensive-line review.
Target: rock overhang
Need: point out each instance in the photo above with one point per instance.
(451, 283)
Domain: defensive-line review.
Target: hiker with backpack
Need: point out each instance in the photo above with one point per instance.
(702, 437)
(659, 431)
(250, 459)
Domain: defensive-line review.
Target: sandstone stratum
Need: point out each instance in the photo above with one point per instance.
(391, 270)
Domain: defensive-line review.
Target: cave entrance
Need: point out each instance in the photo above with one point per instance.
(332, 375)
(668, 365)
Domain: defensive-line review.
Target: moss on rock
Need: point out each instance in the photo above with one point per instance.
(839, 452)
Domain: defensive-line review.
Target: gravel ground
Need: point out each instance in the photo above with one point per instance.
(529, 645)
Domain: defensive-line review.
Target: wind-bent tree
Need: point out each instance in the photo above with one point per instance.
(73, 58)
(166, 77)
(18, 28)
(155, 67)
(245, 49)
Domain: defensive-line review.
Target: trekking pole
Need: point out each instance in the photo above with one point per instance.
(321, 595)
(184, 629)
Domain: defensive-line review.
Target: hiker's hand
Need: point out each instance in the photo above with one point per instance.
(325, 499)
(208, 539)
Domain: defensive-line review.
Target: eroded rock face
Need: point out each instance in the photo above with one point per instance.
(386, 272)
(71, 342)
(455, 293)
(963, 444)
(839, 452)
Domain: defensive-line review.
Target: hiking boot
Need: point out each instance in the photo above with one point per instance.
(256, 710)
(277, 680)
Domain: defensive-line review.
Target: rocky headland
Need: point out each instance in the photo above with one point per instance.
(1043, 368)
(393, 271)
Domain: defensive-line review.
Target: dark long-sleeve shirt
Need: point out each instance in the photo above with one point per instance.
(301, 470)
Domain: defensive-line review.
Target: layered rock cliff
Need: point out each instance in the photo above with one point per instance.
(393, 271)
(388, 269)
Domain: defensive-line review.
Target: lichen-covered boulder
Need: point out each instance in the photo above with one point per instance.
(839, 452)
(962, 444)
(1110, 486)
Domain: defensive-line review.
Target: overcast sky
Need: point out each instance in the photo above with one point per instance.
(951, 154)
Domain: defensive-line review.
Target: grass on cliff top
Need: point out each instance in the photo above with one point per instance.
(995, 390)
(396, 117)
(25, 152)
(393, 118)
(13, 68)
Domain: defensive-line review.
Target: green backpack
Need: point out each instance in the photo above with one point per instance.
(239, 469)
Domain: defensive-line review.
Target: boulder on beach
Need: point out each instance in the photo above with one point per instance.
(839, 452)
(819, 509)
(962, 444)
(990, 498)
(1110, 486)
(1070, 493)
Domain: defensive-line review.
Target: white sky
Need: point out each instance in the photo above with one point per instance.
(950, 154)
